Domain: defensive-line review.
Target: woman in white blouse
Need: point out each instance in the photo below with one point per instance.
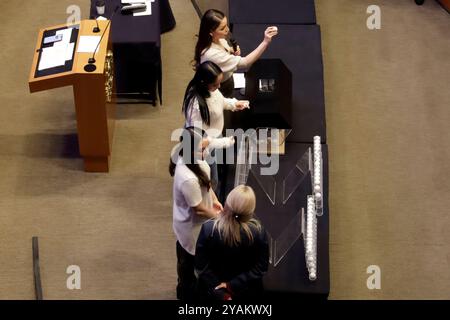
(213, 46)
(204, 106)
(194, 202)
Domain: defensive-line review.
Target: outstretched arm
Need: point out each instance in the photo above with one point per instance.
(249, 59)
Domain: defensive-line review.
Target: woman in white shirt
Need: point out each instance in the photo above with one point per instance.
(204, 105)
(193, 203)
(213, 46)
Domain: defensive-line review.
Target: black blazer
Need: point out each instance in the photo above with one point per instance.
(241, 267)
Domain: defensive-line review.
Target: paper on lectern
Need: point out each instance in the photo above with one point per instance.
(52, 57)
(67, 34)
(87, 44)
(65, 43)
(69, 51)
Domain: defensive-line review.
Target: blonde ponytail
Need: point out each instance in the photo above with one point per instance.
(238, 213)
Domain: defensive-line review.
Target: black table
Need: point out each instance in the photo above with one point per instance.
(136, 44)
(272, 12)
(290, 277)
(299, 47)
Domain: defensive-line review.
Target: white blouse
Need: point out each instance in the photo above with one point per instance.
(217, 103)
(187, 194)
(222, 56)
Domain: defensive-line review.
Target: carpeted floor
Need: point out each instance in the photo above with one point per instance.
(387, 98)
(117, 227)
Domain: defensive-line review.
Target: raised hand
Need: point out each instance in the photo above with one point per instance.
(270, 33)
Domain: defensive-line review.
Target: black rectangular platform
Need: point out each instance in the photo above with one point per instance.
(272, 12)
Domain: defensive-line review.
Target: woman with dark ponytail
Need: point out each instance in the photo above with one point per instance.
(204, 105)
(232, 252)
(193, 203)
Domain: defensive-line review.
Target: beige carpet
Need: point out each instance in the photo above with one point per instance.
(387, 99)
(117, 227)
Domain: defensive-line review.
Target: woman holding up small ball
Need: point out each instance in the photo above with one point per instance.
(212, 45)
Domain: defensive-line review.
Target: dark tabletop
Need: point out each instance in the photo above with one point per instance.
(136, 42)
(299, 47)
(272, 12)
(127, 28)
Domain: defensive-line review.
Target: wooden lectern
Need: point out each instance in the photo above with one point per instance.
(92, 90)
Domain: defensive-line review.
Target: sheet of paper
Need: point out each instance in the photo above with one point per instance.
(65, 43)
(52, 57)
(67, 34)
(88, 44)
(132, 1)
(239, 80)
(69, 51)
(146, 12)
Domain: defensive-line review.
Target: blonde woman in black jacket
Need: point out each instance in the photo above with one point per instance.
(232, 252)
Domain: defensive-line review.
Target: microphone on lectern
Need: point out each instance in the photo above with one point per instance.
(96, 28)
(100, 4)
(90, 66)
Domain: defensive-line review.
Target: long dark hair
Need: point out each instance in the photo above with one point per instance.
(206, 74)
(190, 140)
(210, 22)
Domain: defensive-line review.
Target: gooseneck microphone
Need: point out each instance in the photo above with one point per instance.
(100, 6)
(90, 66)
(96, 28)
